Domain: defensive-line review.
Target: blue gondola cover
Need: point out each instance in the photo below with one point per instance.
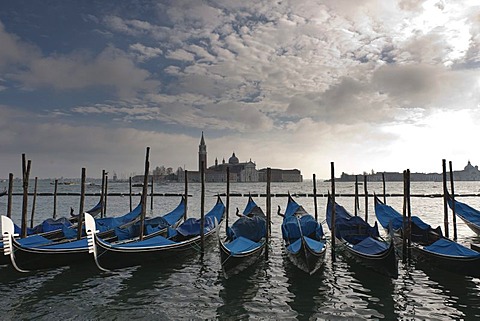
(449, 247)
(241, 244)
(294, 228)
(370, 246)
(253, 228)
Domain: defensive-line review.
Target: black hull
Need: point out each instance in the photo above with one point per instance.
(234, 264)
(307, 260)
(385, 262)
(112, 258)
(4, 260)
(457, 265)
(32, 259)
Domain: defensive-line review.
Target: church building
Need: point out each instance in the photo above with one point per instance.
(239, 171)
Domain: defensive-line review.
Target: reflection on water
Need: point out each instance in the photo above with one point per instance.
(194, 288)
(238, 292)
(376, 288)
(307, 293)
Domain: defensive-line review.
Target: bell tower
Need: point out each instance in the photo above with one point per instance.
(202, 154)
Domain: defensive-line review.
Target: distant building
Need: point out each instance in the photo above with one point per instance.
(280, 175)
(469, 173)
(239, 171)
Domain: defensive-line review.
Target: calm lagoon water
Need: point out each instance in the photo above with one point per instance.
(194, 288)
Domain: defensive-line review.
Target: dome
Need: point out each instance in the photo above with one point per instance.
(233, 159)
(469, 167)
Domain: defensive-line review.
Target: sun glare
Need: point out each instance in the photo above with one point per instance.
(447, 19)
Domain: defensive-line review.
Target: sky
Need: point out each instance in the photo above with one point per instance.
(380, 85)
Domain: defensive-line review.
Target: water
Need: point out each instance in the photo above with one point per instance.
(194, 288)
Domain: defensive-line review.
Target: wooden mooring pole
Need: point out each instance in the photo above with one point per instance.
(82, 203)
(409, 219)
(102, 196)
(10, 192)
(105, 196)
(445, 192)
(332, 223)
(269, 211)
(144, 193)
(34, 202)
(366, 196)
(202, 208)
(404, 219)
(454, 216)
(228, 200)
(186, 196)
(151, 195)
(356, 202)
(26, 174)
(384, 189)
(315, 197)
(130, 189)
(55, 190)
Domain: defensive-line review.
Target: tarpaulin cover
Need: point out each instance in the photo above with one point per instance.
(465, 211)
(293, 228)
(354, 229)
(386, 214)
(295, 247)
(78, 244)
(174, 216)
(292, 207)
(192, 225)
(53, 225)
(250, 206)
(241, 244)
(152, 225)
(109, 223)
(448, 247)
(30, 231)
(371, 246)
(70, 233)
(340, 212)
(421, 231)
(253, 228)
(33, 240)
(314, 245)
(154, 241)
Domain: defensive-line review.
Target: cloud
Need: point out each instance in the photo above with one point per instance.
(112, 67)
(14, 51)
(427, 86)
(78, 70)
(58, 149)
(144, 53)
(180, 54)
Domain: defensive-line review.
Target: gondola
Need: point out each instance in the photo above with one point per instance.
(362, 241)
(55, 230)
(36, 252)
(304, 241)
(422, 233)
(468, 214)
(245, 240)
(60, 228)
(186, 237)
(429, 246)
